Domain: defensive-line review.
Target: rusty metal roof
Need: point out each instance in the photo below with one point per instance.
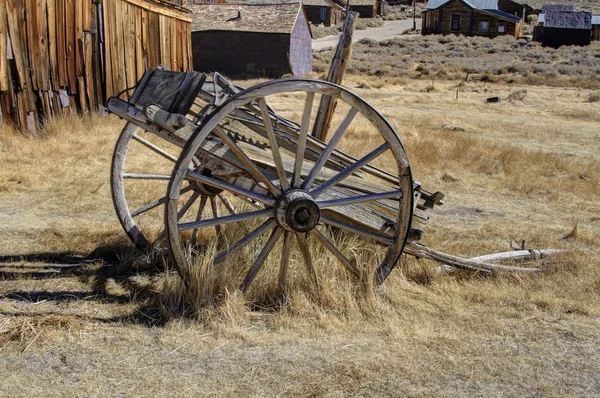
(263, 18)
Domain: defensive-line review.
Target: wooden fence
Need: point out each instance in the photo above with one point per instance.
(59, 56)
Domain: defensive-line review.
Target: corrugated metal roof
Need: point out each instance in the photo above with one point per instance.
(595, 19)
(264, 18)
(557, 7)
(568, 20)
(477, 4)
(504, 15)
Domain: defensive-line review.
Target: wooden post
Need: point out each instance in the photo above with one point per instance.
(335, 75)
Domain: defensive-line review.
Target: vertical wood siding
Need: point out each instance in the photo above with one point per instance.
(60, 56)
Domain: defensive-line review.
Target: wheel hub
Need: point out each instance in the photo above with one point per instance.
(297, 211)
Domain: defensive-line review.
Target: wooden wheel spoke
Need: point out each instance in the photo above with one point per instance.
(241, 155)
(144, 176)
(225, 219)
(396, 194)
(240, 244)
(339, 133)
(226, 203)
(186, 206)
(386, 240)
(338, 254)
(156, 203)
(307, 257)
(215, 213)
(199, 216)
(301, 146)
(262, 256)
(285, 259)
(213, 182)
(350, 170)
(273, 144)
(154, 148)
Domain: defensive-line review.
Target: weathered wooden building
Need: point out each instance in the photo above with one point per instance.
(364, 8)
(251, 40)
(516, 7)
(595, 27)
(469, 18)
(317, 12)
(58, 56)
(564, 28)
(323, 12)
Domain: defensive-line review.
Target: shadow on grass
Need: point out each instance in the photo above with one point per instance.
(109, 268)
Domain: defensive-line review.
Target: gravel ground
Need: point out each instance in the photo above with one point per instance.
(389, 30)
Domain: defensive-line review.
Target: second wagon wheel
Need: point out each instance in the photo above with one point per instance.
(142, 162)
(307, 204)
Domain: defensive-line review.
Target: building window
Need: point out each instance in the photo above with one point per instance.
(455, 24)
(501, 28)
(323, 14)
(484, 27)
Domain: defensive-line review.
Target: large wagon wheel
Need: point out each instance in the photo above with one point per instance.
(141, 167)
(320, 195)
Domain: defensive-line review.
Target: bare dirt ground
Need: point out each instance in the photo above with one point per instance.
(78, 312)
(389, 30)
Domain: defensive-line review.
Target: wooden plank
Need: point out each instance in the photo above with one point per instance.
(171, 11)
(82, 94)
(145, 42)
(61, 51)
(96, 58)
(119, 46)
(164, 39)
(4, 78)
(173, 44)
(71, 46)
(86, 15)
(88, 71)
(52, 42)
(79, 51)
(154, 55)
(179, 39)
(129, 38)
(139, 54)
(106, 41)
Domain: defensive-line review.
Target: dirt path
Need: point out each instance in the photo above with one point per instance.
(389, 30)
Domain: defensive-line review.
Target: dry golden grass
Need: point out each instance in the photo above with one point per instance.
(119, 325)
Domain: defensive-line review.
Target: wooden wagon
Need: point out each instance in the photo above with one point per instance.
(220, 175)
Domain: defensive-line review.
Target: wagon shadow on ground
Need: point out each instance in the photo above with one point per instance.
(113, 274)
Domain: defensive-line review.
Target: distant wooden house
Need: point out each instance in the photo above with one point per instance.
(564, 28)
(595, 27)
(364, 8)
(516, 7)
(247, 40)
(323, 12)
(318, 12)
(469, 18)
(62, 55)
